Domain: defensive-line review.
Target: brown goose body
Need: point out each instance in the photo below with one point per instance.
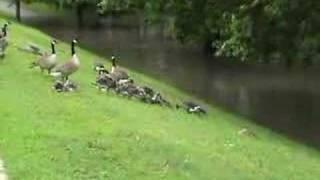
(71, 66)
(119, 74)
(105, 81)
(47, 61)
(116, 72)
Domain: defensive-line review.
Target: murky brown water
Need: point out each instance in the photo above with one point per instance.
(287, 102)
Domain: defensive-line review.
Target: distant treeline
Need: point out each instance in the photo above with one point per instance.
(264, 31)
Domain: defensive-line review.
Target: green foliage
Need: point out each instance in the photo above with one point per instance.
(249, 29)
(66, 2)
(111, 5)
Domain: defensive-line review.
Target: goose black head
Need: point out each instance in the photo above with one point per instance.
(103, 71)
(54, 42)
(73, 43)
(113, 58)
(98, 65)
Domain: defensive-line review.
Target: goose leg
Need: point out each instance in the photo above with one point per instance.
(66, 78)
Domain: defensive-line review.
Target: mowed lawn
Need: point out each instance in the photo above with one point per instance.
(89, 134)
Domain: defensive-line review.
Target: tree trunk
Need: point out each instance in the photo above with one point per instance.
(289, 63)
(307, 62)
(60, 4)
(207, 47)
(265, 58)
(18, 10)
(79, 11)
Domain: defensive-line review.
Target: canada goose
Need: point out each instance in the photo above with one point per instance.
(117, 75)
(153, 97)
(103, 71)
(157, 98)
(47, 61)
(97, 66)
(3, 40)
(70, 67)
(64, 86)
(192, 107)
(4, 30)
(104, 81)
(149, 91)
(123, 82)
(117, 72)
(58, 86)
(128, 88)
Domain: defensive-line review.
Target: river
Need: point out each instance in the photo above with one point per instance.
(287, 102)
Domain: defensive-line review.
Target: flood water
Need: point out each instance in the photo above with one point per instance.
(286, 102)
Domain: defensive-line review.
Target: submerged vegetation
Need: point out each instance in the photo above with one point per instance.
(89, 134)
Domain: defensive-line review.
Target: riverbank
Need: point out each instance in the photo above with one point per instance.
(94, 135)
(281, 100)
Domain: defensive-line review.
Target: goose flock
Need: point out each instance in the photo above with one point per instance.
(116, 80)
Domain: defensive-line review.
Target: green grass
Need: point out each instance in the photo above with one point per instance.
(94, 135)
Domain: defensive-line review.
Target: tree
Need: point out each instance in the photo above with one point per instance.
(18, 9)
(79, 6)
(286, 31)
(250, 30)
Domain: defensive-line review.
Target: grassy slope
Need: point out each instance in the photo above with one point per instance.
(92, 135)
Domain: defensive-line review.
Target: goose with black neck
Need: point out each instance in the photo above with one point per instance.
(116, 72)
(69, 67)
(47, 61)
